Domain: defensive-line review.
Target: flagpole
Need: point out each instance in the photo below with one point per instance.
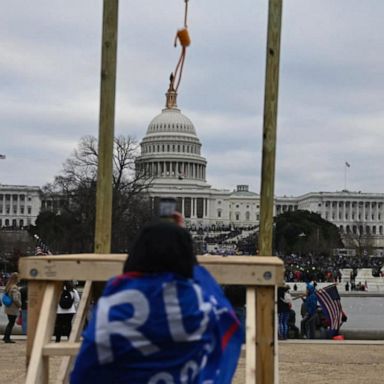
(345, 176)
(346, 165)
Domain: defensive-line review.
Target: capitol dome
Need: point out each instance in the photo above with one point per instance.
(171, 150)
(171, 120)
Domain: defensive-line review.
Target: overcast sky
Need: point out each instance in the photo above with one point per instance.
(331, 102)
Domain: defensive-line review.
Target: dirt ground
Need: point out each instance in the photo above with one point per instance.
(298, 363)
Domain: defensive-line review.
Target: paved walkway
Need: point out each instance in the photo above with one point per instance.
(300, 363)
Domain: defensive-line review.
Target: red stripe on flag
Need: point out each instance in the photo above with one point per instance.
(228, 334)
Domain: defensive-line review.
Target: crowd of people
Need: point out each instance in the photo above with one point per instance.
(321, 268)
(315, 323)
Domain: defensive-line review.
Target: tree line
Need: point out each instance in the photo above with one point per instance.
(69, 228)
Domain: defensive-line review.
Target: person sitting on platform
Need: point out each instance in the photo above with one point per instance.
(164, 320)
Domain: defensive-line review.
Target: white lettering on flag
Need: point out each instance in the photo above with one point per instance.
(127, 328)
(161, 378)
(175, 317)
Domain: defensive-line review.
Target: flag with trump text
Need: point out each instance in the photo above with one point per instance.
(160, 328)
(329, 300)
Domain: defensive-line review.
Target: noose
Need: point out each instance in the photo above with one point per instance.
(183, 36)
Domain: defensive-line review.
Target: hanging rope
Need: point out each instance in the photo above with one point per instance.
(183, 36)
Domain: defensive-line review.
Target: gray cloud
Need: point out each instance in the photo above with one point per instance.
(331, 86)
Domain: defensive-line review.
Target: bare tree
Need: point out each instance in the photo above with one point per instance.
(75, 188)
(358, 238)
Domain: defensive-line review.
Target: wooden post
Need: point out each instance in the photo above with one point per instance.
(265, 296)
(104, 192)
(35, 297)
(106, 128)
(38, 368)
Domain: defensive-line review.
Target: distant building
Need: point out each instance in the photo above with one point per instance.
(19, 205)
(171, 154)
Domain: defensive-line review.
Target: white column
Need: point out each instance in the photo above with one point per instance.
(337, 210)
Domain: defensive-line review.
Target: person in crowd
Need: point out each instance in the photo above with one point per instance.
(66, 309)
(284, 304)
(309, 308)
(12, 310)
(24, 305)
(164, 320)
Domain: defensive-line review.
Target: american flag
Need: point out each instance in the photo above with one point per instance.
(329, 299)
(41, 249)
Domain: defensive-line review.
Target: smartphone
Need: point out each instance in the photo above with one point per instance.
(167, 206)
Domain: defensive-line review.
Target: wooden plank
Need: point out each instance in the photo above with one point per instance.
(121, 257)
(117, 257)
(77, 327)
(245, 270)
(38, 366)
(69, 270)
(61, 349)
(265, 335)
(244, 274)
(250, 342)
(35, 297)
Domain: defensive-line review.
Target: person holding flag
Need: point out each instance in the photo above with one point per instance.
(164, 320)
(330, 302)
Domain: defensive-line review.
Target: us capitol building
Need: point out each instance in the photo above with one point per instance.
(171, 154)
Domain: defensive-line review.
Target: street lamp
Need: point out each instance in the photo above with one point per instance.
(300, 237)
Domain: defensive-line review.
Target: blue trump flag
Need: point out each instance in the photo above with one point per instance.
(160, 329)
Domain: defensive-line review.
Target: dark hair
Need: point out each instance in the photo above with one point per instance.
(162, 247)
(68, 285)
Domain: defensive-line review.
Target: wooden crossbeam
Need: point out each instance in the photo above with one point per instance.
(38, 364)
(250, 336)
(235, 270)
(61, 349)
